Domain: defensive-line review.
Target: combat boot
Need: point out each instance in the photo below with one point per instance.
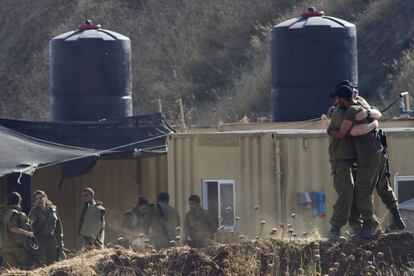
(366, 231)
(397, 223)
(376, 229)
(335, 234)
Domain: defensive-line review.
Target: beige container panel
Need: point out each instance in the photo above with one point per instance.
(306, 168)
(246, 160)
(152, 176)
(401, 152)
(181, 171)
(258, 185)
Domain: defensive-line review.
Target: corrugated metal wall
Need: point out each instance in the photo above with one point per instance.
(305, 167)
(117, 183)
(269, 168)
(245, 159)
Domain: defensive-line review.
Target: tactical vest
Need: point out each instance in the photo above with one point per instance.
(93, 222)
(11, 239)
(44, 222)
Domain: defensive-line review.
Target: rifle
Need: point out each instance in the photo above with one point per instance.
(383, 139)
(61, 253)
(403, 94)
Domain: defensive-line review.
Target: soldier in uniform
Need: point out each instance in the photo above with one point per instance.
(368, 150)
(133, 221)
(16, 230)
(199, 225)
(92, 222)
(383, 185)
(47, 228)
(161, 221)
(342, 157)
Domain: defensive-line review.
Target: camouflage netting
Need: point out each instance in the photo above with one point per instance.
(391, 254)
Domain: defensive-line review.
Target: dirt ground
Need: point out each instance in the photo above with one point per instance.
(390, 254)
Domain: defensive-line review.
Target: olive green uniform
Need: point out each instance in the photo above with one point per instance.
(133, 225)
(92, 225)
(383, 186)
(342, 157)
(47, 229)
(160, 223)
(368, 149)
(14, 254)
(133, 220)
(200, 227)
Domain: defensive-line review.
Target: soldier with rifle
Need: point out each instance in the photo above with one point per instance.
(369, 153)
(161, 221)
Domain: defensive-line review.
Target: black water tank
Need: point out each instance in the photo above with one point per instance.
(310, 54)
(90, 74)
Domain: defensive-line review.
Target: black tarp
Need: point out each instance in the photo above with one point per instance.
(27, 145)
(24, 155)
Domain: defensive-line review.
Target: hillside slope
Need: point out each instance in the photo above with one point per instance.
(213, 54)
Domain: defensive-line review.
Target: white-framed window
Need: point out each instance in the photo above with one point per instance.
(404, 187)
(219, 199)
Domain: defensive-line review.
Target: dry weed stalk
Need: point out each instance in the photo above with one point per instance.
(282, 227)
(261, 226)
(237, 219)
(293, 219)
(290, 231)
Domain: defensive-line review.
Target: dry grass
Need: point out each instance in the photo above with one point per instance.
(278, 251)
(389, 255)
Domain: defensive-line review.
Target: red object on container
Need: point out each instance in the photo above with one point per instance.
(312, 13)
(89, 26)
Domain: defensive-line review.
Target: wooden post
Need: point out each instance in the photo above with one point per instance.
(180, 104)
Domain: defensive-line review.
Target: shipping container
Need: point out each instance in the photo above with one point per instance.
(263, 171)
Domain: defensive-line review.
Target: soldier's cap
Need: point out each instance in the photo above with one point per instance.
(345, 82)
(142, 201)
(89, 190)
(343, 91)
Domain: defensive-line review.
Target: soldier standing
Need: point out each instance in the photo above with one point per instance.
(16, 230)
(342, 157)
(92, 222)
(368, 149)
(47, 228)
(199, 224)
(383, 186)
(367, 116)
(161, 221)
(133, 221)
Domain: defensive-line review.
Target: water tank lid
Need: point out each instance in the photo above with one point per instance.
(89, 26)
